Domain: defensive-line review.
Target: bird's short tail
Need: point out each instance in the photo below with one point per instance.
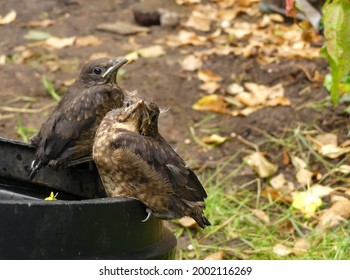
(201, 220)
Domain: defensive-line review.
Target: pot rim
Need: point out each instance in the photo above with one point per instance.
(94, 201)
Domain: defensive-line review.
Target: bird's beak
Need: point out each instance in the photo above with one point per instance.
(136, 108)
(117, 63)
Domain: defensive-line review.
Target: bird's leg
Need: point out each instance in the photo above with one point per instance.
(149, 212)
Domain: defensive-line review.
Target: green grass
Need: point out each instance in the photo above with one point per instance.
(23, 131)
(240, 234)
(50, 88)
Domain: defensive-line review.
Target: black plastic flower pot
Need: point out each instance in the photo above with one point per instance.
(81, 224)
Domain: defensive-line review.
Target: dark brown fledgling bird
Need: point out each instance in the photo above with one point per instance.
(134, 160)
(66, 137)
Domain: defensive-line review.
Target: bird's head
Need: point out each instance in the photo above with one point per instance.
(138, 115)
(101, 71)
(149, 125)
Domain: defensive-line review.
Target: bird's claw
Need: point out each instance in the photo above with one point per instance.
(34, 169)
(149, 213)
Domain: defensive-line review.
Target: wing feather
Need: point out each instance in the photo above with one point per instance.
(163, 158)
(76, 113)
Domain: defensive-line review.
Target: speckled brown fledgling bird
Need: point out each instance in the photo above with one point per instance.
(134, 160)
(67, 136)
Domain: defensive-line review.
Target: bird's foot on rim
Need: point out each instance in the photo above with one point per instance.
(149, 213)
(34, 169)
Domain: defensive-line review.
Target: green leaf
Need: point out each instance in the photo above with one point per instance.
(327, 83)
(37, 35)
(336, 19)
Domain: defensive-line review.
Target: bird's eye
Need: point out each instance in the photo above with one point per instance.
(154, 118)
(97, 71)
(128, 104)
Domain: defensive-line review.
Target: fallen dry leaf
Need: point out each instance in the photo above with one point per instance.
(207, 75)
(184, 38)
(278, 101)
(88, 41)
(122, 28)
(210, 87)
(339, 212)
(301, 246)
(335, 198)
(213, 102)
(346, 143)
(214, 139)
(52, 65)
(233, 101)
(298, 163)
(226, 16)
(8, 18)
(37, 35)
(216, 256)
(246, 3)
(260, 164)
(276, 17)
(251, 100)
(259, 96)
(344, 168)
(268, 19)
(185, 2)
(333, 152)
(261, 215)
(279, 183)
(272, 194)
(320, 190)
(306, 202)
(198, 21)
(327, 145)
(132, 56)
(246, 111)
(286, 227)
(3, 59)
(26, 54)
(191, 63)
(282, 250)
(234, 88)
(272, 92)
(285, 157)
(68, 83)
(224, 4)
(187, 222)
(38, 23)
(60, 43)
(240, 30)
(151, 51)
(303, 175)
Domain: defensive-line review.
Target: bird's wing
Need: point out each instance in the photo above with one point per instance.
(162, 158)
(75, 113)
